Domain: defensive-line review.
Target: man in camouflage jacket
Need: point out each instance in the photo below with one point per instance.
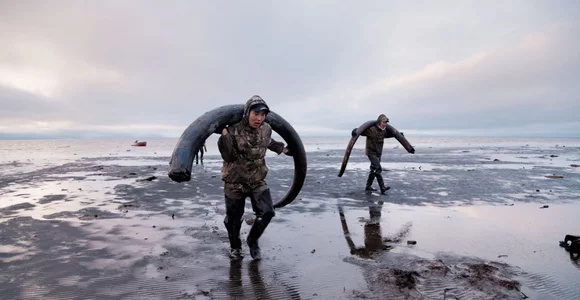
(374, 150)
(243, 148)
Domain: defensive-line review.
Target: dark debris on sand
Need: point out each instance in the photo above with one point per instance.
(402, 277)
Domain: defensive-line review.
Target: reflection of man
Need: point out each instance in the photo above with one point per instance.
(260, 290)
(235, 288)
(200, 154)
(374, 241)
(574, 257)
(572, 244)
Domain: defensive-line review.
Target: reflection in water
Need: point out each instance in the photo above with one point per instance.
(373, 237)
(575, 258)
(260, 291)
(279, 290)
(572, 244)
(235, 288)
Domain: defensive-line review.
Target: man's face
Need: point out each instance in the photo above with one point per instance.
(256, 118)
(383, 124)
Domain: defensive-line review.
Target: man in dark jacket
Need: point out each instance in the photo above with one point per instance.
(243, 148)
(374, 150)
(197, 157)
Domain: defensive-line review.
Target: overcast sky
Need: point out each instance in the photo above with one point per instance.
(150, 68)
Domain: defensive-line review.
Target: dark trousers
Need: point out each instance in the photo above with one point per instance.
(375, 171)
(198, 156)
(235, 196)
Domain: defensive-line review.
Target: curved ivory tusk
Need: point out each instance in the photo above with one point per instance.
(393, 132)
(199, 130)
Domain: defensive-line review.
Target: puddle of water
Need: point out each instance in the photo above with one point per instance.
(84, 174)
(49, 197)
(522, 235)
(406, 166)
(74, 280)
(544, 160)
(131, 162)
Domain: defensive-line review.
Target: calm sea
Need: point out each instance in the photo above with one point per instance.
(28, 155)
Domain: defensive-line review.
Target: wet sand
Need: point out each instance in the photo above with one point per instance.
(93, 228)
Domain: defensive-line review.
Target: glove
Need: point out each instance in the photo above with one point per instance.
(412, 150)
(288, 152)
(353, 133)
(220, 129)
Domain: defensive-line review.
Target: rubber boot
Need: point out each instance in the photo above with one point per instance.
(256, 232)
(370, 180)
(234, 227)
(382, 183)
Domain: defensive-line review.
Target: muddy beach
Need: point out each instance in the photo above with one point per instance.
(459, 222)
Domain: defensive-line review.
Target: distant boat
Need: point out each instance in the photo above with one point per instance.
(139, 144)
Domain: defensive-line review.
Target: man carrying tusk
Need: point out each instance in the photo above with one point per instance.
(375, 136)
(243, 148)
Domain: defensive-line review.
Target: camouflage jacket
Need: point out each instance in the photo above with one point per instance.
(243, 150)
(375, 140)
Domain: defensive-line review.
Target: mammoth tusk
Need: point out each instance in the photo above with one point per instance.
(199, 130)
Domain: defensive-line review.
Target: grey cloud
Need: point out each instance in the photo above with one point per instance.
(532, 80)
(15, 103)
(143, 62)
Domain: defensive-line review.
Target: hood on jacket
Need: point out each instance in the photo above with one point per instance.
(253, 101)
(381, 118)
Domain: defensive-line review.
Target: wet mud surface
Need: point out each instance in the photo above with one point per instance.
(404, 277)
(119, 228)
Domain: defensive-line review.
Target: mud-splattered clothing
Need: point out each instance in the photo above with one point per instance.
(243, 150)
(375, 140)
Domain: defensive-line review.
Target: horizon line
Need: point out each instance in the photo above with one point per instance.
(32, 138)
